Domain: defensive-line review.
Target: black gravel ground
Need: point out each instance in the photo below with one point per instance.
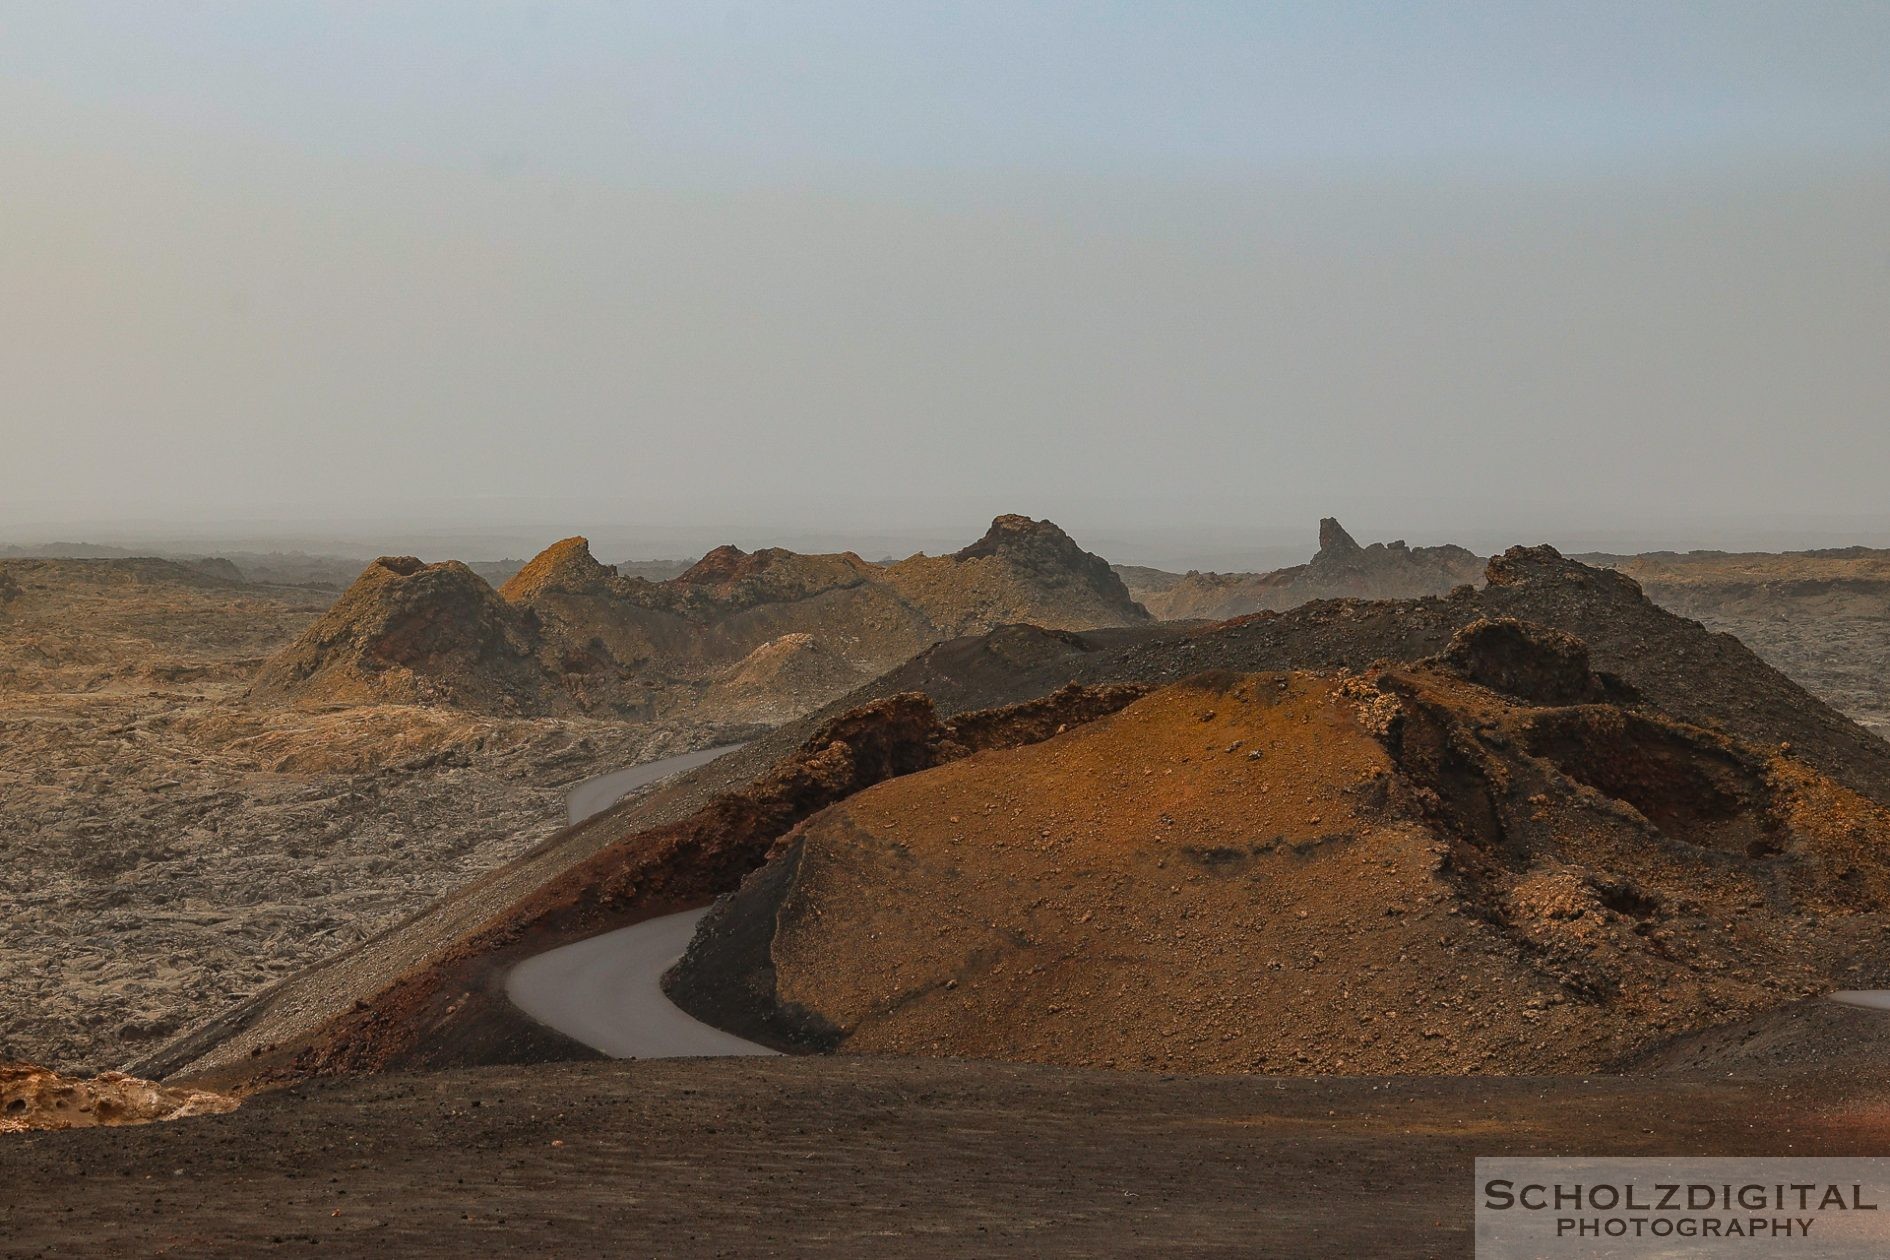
(865, 1157)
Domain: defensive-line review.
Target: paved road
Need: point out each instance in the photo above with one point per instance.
(594, 796)
(606, 992)
(1878, 998)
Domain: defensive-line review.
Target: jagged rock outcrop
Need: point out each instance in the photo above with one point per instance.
(1334, 542)
(1341, 569)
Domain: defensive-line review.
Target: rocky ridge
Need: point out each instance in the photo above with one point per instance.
(567, 634)
(1341, 569)
(1821, 616)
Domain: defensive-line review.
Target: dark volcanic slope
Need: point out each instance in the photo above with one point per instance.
(867, 1158)
(1686, 670)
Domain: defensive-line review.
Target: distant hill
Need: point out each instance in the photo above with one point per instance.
(771, 631)
(1341, 569)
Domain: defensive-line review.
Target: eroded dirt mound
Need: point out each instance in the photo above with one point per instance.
(1396, 871)
(1341, 569)
(35, 1098)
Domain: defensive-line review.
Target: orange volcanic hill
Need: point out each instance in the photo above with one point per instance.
(1492, 861)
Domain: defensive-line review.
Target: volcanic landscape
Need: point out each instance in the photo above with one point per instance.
(995, 901)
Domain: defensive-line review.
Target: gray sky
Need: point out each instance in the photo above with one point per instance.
(1180, 277)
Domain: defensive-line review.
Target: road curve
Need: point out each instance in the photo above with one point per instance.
(606, 992)
(594, 796)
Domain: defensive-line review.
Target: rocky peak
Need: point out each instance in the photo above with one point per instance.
(1522, 566)
(407, 632)
(566, 567)
(1051, 556)
(1037, 543)
(723, 566)
(1334, 542)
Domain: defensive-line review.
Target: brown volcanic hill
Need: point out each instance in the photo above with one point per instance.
(567, 633)
(413, 633)
(1401, 871)
(1020, 571)
(1340, 570)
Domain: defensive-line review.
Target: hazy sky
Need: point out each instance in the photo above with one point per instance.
(669, 274)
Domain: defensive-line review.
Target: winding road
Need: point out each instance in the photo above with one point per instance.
(594, 796)
(606, 992)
